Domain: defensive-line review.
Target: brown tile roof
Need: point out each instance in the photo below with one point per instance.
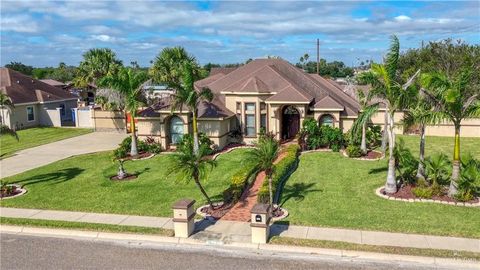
(53, 82)
(23, 89)
(328, 103)
(277, 75)
(290, 94)
(223, 71)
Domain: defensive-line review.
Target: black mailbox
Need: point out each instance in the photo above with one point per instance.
(258, 218)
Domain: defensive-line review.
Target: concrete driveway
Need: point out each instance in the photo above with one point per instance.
(38, 156)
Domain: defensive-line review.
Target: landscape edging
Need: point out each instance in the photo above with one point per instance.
(378, 193)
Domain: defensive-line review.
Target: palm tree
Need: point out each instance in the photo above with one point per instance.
(264, 154)
(367, 111)
(189, 165)
(455, 100)
(421, 114)
(187, 95)
(169, 65)
(129, 84)
(5, 104)
(386, 85)
(96, 64)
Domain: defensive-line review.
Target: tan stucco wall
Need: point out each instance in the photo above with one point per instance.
(231, 104)
(109, 120)
(470, 128)
(18, 117)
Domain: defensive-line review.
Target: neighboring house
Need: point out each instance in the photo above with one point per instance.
(36, 103)
(265, 94)
(55, 83)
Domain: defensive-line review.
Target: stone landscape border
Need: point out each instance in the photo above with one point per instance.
(22, 191)
(378, 193)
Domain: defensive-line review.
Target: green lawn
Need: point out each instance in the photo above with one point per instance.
(435, 144)
(331, 190)
(36, 136)
(81, 184)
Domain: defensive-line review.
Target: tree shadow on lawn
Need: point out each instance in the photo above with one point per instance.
(56, 177)
(378, 170)
(297, 192)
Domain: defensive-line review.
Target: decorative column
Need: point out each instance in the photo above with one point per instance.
(183, 218)
(260, 223)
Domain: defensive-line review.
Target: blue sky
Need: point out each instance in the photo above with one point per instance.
(44, 33)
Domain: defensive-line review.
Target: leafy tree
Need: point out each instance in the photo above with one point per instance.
(335, 69)
(129, 84)
(187, 95)
(96, 64)
(18, 66)
(455, 99)
(387, 86)
(265, 153)
(188, 165)
(169, 65)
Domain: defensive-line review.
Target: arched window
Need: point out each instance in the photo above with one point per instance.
(176, 129)
(326, 120)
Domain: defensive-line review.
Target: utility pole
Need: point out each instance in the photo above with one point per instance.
(318, 56)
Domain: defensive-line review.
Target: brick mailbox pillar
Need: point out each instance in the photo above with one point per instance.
(183, 217)
(260, 223)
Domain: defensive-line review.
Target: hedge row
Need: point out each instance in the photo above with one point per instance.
(239, 182)
(281, 170)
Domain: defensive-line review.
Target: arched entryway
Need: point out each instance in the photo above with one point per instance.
(290, 122)
(176, 129)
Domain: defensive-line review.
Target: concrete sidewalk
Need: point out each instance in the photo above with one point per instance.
(230, 232)
(38, 156)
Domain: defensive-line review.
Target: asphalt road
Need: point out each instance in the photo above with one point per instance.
(33, 252)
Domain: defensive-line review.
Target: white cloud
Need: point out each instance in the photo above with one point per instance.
(402, 18)
(19, 23)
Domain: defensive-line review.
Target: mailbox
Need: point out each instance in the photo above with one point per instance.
(183, 218)
(260, 223)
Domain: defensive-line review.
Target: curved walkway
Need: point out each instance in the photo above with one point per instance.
(38, 156)
(241, 210)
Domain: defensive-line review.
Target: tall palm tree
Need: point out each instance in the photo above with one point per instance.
(97, 63)
(192, 166)
(386, 85)
(422, 114)
(264, 154)
(129, 84)
(367, 111)
(187, 95)
(168, 66)
(455, 99)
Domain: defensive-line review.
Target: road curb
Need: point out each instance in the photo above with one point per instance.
(154, 239)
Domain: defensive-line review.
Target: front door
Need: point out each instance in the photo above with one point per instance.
(290, 122)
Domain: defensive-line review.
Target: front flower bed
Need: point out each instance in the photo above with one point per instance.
(370, 156)
(9, 191)
(405, 194)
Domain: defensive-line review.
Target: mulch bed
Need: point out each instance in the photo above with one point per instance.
(278, 212)
(218, 212)
(126, 178)
(372, 155)
(3, 195)
(139, 156)
(405, 192)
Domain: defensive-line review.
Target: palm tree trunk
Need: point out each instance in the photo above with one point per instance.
(363, 146)
(197, 182)
(421, 168)
(195, 132)
(133, 148)
(270, 190)
(391, 184)
(385, 132)
(456, 163)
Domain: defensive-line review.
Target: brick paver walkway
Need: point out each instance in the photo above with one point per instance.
(241, 210)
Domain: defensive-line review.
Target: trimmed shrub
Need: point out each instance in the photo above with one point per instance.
(149, 145)
(423, 192)
(281, 170)
(353, 151)
(187, 141)
(239, 182)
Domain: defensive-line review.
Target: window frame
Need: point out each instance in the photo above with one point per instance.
(251, 113)
(33, 114)
(324, 116)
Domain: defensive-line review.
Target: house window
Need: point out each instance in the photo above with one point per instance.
(62, 109)
(263, 106)
(263, 121)
(326, 120)
(250, 107)
(250, 125)
(30, 114)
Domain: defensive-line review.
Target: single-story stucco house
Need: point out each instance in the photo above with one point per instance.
(269, 94)
(36, 103)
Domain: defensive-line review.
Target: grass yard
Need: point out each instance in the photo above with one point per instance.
(36, 136)
(434, 144)
(81, 184)
(331, 190)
